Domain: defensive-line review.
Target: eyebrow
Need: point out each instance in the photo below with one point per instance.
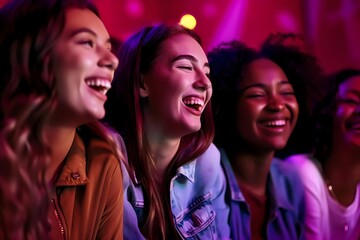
(262, 85)
(188, 57)
(86, 30)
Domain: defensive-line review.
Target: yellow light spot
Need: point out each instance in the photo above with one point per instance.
(188, 21)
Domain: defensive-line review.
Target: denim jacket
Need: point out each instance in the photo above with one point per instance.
(197, 195)
(286, 200)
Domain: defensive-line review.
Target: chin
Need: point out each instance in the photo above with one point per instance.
(97, 115)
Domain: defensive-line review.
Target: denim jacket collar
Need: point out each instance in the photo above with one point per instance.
(277, 196)
(187, 170)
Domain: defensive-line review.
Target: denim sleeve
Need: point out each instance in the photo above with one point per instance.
(222, 210)
(218, 194)
(131, 228)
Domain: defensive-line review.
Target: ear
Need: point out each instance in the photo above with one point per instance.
(143, 88)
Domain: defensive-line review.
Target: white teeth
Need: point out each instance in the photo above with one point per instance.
(99, 83)
(194, 101)
(276, 123)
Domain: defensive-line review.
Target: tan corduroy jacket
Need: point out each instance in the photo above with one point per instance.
(90, 192)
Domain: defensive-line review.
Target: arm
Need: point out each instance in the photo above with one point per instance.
(111, 226)
(218, 194)
(222, 210)
(316, 212)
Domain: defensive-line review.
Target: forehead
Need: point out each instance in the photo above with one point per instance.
(76, 18)
(351, 84)
(263, 71)
(182, 44)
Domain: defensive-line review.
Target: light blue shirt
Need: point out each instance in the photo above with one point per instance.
(197, 195)
(286, 203)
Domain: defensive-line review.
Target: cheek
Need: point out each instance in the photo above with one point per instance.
(293, 108)
(245, 118)
(341, 115)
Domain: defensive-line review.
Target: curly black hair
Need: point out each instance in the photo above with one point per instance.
(227, 64)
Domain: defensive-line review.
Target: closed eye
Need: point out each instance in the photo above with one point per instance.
(349, 101)
(89, 43)
(288, 93)
(257, 95)
(189, 68)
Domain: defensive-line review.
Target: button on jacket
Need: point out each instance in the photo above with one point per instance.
(197, 198)
(90, 192)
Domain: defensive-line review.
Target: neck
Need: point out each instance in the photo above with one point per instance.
(252, 170)
(342, 171)
(163, 151)
(60, 140)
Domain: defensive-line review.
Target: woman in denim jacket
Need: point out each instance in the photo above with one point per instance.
(176, 185)
(256, 109)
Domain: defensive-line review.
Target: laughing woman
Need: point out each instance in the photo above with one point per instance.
(60, 176)
(332, 173)
(255, 111)
(177, 186)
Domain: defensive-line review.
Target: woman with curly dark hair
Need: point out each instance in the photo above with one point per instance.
(332, 173)
(60, 176)
(256, 103)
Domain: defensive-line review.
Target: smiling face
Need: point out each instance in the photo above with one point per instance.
(267, 109)
(83, 67)
(176, 87)
(346, 124)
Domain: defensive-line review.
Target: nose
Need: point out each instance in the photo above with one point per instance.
(275, 104)
(108, 60)
(203, 82)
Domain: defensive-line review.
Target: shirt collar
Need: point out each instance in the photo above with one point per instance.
(73, 172)
(236, 194)
(187, 170)
(277, 190)
(276, 196)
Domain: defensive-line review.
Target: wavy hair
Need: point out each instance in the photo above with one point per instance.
(324, 113)
(29, 29)
(137, 56)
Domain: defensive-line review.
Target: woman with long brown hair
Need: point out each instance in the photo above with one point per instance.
(177, 187)
(60, 176)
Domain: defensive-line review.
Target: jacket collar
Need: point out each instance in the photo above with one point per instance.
(277, 197)
(73, 172)
(187, 170)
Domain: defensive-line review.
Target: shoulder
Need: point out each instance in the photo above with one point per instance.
(212, 152)
(282, 170)
(101, 158)
(307, 167)
(302, 161)
(209, 161)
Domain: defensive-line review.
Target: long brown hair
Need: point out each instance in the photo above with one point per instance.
(136, 57)
(29, 29)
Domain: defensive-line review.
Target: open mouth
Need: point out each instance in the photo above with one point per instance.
(194, 103)
(274, 123)
(99, 85)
